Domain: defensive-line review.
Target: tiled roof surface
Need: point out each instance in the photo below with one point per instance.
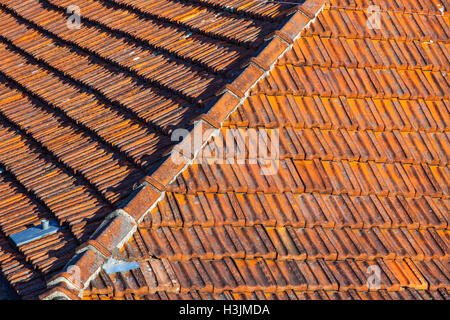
(363, 119)
(85, 113)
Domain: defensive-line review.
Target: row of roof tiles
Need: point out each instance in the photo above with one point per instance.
(271, 10)
(407, 294)
(342, 113)
(322, 176)
(298, 210)
(364, 53)
(419, 6)
(299, 144)
(268, 275)
(193, 17)
(393, 24)
(355, 83)
(283, 243)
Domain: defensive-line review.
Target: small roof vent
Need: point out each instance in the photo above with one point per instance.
(44, 229)
(114, 266)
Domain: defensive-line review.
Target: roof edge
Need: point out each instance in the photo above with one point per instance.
(120, 225)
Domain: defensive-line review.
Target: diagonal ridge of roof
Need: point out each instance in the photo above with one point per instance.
(120, 225)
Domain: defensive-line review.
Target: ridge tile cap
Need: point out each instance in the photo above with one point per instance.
(60, 292)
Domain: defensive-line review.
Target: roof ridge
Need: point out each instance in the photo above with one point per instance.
(120, 225)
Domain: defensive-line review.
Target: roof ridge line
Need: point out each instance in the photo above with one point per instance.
(121, 224)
